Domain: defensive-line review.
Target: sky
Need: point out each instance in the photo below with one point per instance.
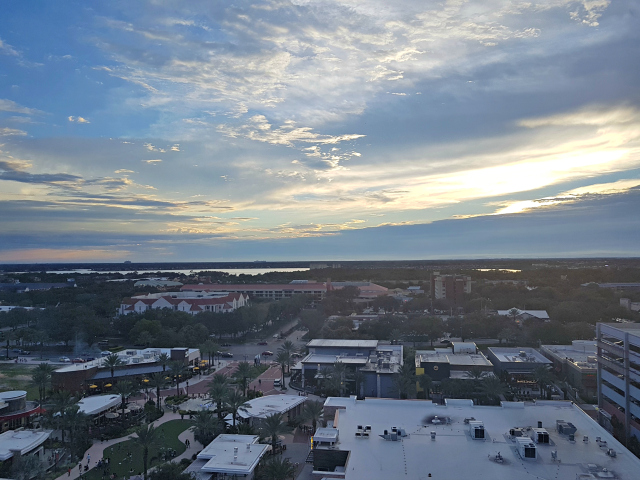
(328, 129)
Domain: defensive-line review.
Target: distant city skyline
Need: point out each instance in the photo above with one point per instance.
(298, 130)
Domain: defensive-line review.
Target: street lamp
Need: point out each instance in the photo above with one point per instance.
(187, 388)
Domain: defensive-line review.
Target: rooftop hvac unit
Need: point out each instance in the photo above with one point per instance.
(518, 432)
(565, 428)
(526, 448)
(540, 435)
(476, 429)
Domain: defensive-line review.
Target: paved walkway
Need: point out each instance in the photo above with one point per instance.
(96, 451)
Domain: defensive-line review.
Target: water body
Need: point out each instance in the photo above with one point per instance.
(230, 271)
(497, 270)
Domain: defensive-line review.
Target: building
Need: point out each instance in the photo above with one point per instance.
(97, 406)
(577, 363)
(517, 366)
(450, 288)
(161, 283)
(619, 378)
(29, 287)
(136, 364)
(272, 291)
(22, 442)
(376, 362)
(16, 411)
(381, 439)
(290, 406)
(615, 286)
(628, 304)
(520, 316)
(229, 456)
(188, 302)
(452, 362)
(368, 290)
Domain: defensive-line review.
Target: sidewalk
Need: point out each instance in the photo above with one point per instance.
(96, 451)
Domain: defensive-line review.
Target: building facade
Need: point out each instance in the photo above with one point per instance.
(188, 302)
(619, 378)
(450, 288)
(577, 363)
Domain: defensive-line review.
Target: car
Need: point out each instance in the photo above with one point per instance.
(78, 360)
(226, 355)
(445, 341)
(65, 359)
(277, 383)
(227, 344)
(105, 353)
(263, 343)
(296, 355)
(267, 353)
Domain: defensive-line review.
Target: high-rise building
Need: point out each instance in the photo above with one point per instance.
(450, 288)
(619, 378)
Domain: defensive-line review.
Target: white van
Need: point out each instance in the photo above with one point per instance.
(277, 383)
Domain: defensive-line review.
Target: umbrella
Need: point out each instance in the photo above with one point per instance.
(93, 386)
(111, 415)
(108, 385)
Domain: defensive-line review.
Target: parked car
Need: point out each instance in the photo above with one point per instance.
(263, 343)
(106, 353)
(78, 360)
(267, 353)
(65, 359)
(226, 355)
(227, 344)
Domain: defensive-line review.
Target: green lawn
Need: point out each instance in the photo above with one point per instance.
(17, 376)
(121, 463)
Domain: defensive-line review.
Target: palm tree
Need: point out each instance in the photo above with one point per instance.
(283, 359)
(405, 380)
(273, 425)
(236, 402)
(210, 348)
(218, 392)
(242, 374)
(177, 370)
(312, 411)
(358, 378)
(277, 468)
(112, 361)
(338, 373)
(206, 427)
(157, 381)
(425, 382)
(125, 389)
(543, 377)
(475, 373)
(41, 376)
(62, 400)
(75, 420)
(27, 467)
(146, 437)
(492, 388)
(164, 360)
(288, 347)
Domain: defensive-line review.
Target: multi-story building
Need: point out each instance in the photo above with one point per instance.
(577, 363)
(16, 411)
(188, 302)
(450, 288)
(619, 378)
(452, 362)
(382, 439)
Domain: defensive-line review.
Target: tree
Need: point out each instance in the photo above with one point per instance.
(62, 400)
(338, 373)
(236, 402)
(27, 467)
(146, 437)
(206, 427)
(112, 361)
(41, 376)
(288, 347)
(242, 374)
(209, 347)
(164, 360)
(312, 411)
(492, 388)
(425, 382)
(405, 381)
(157, 381)
(177, 370)
(273, 425)
(77, 422)
(218, 392)
(543, 377)
(125, 389)
(283, 359)
(277, 468)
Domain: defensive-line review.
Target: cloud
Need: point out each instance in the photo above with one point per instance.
(154, 161)
(7, 49)
(123, 171)
(78, 119)
(6, 132)
(11, 106)
(14, 171)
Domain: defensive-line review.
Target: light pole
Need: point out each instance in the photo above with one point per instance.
(187, 388)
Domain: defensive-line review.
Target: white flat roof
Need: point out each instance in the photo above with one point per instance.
(578, 353)
(138, 357)
(222, 458)
(96, 404)
(459, 359)
(323, 342)
(453, 455)
(515, 355)
(22, 441)
(314, 358)
(263, 406)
